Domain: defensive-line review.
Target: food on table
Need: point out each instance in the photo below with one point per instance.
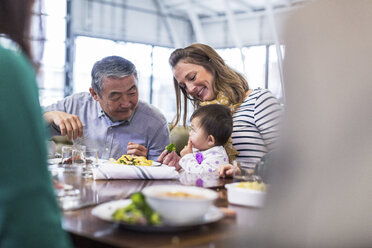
(66, 161)
(180, 194)
(138, 212)
(180, 210)
(171, 147)
(77, 159)
(134, 160)
(253, 185)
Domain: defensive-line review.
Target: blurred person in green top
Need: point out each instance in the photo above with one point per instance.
(29, 214)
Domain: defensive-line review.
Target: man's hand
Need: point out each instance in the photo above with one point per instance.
(187, 149)
(170, 159)
(67, 123)
(136, 149)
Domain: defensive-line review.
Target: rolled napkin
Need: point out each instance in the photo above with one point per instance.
(118, 171)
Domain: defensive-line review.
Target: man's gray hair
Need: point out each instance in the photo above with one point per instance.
(112, 67)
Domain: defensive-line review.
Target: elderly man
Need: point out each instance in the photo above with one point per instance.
(111, 118)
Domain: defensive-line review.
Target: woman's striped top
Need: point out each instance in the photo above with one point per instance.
(255, 126)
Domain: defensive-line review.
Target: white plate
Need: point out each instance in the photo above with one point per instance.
(104, 212)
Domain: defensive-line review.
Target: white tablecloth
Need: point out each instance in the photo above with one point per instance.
(118, 171)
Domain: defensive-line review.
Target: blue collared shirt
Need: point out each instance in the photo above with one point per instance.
(147, 126)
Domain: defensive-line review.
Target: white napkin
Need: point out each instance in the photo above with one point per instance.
(118, 171)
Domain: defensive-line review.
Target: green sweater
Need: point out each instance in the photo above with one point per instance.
(29, 214)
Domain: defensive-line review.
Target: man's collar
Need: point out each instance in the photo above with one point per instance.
(100, 110)
(131, 117)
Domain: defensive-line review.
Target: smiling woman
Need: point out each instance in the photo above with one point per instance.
(202, 77)
(194, 79)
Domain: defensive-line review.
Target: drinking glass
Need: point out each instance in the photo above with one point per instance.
(66, 161)
(90, 161)
(246, 172)
(67, 187)
(52, 149)
(78, 156)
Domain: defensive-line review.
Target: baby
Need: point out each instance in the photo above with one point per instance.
(211, 127)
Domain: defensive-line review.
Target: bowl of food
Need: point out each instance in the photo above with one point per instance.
(180, 204)
(250, 194)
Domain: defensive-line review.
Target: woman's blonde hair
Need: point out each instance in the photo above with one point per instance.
(231, 83)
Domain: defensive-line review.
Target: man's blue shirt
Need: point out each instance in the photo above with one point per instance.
(147, 127)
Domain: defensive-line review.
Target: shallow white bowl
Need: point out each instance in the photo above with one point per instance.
(180, 210)
(245, 197)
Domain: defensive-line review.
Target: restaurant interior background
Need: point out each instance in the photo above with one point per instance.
(246, 33)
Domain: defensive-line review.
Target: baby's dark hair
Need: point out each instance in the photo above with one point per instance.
(216, 120)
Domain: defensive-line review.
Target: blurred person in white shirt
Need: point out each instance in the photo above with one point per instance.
(321, 193)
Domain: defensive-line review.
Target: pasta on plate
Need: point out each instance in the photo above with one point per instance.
(134, 160)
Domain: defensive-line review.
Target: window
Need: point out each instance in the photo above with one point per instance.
(51, 74)
(232, 57)
(164, 96)
(255, 66)
(254, 63)
(274, 83)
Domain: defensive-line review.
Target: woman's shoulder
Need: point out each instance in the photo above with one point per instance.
(258, 93)
(14, 64)
(258, 97)
(253, 96)
(11, 57)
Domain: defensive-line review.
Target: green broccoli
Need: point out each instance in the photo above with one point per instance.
(171, 147)
(138, 212)
(138, 199)
(155, 219)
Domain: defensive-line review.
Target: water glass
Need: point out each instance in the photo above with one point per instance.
(66, 161)
(52, 149)
(245, 172)
(67, 187)
(90, 161)
(78, 156)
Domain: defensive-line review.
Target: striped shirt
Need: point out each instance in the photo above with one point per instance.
(255, 126)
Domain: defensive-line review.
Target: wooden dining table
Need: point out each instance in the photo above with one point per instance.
(87, 230)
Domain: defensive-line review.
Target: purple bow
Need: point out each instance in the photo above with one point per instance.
(199, 157)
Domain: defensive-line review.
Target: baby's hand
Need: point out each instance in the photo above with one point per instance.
(187, 149)
(227, 170)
